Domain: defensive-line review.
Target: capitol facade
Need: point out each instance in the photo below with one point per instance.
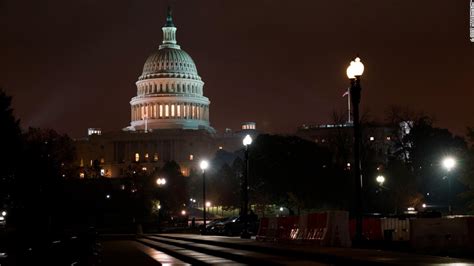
(169, 120)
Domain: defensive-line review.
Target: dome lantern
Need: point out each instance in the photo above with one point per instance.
(169, 33)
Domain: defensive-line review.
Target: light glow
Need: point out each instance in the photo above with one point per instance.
(247, 140)
(160, 181)
(355, 69)
(204, 165)
(449, 163)
(380, 179)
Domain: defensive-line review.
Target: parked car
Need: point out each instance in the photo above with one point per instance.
(211, 227)
(233, 226)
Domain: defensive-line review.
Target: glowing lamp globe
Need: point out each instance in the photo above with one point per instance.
(160, 181)
(358, 67)
(449, 163)
(355, 69)
(204, 165)
(247, 140)
(350, 71)
(380, 179)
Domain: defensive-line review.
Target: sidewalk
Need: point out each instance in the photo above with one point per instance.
(323, 254)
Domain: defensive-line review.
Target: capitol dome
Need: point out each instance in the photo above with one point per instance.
(169, 90)
(168, 61)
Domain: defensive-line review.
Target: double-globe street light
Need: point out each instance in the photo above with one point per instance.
(204, 165)
(449, 163)
(160, 181)
(247, 141)
(354, 73)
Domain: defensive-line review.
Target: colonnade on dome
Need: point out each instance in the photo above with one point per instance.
(170, 111)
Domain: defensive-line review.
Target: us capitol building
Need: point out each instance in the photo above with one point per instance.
(169, 120)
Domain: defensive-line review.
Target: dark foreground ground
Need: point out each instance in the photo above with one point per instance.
(181, 249)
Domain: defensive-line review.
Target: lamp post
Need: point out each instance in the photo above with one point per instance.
(204, 165)
(354, 72)
(449, 163)
(247, 141)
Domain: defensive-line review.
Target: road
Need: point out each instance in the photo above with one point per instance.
(181, 249)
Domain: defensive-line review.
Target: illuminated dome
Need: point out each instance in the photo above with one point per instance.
(169, 90)
(169, 62)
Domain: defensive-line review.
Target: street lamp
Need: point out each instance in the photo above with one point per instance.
(204, 165)
(354, 72)
(449, 163)
(380, 179)
(247, 141)
(160, 181)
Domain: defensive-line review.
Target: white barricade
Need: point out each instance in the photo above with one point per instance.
(400, 228)
(337, 234)
(435, 235)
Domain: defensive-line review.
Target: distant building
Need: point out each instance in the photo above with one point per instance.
(169, 120)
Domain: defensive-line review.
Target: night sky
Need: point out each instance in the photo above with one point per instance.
(71, 65)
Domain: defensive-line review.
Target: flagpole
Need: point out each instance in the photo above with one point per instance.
(349, 121)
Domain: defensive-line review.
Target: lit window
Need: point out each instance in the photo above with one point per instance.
(155, 157)
(372, 138)
(102, 172)
(146, 156)
(388, 138)
(102, 160)
(167, 110)
(143, 168)
(137, 157)
(172, 110)
(178, 110)
(81, 175)
(161, 110)
(193, 112)
(191, 157)
(91, 162)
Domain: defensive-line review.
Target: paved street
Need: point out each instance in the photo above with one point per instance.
(181, 249)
